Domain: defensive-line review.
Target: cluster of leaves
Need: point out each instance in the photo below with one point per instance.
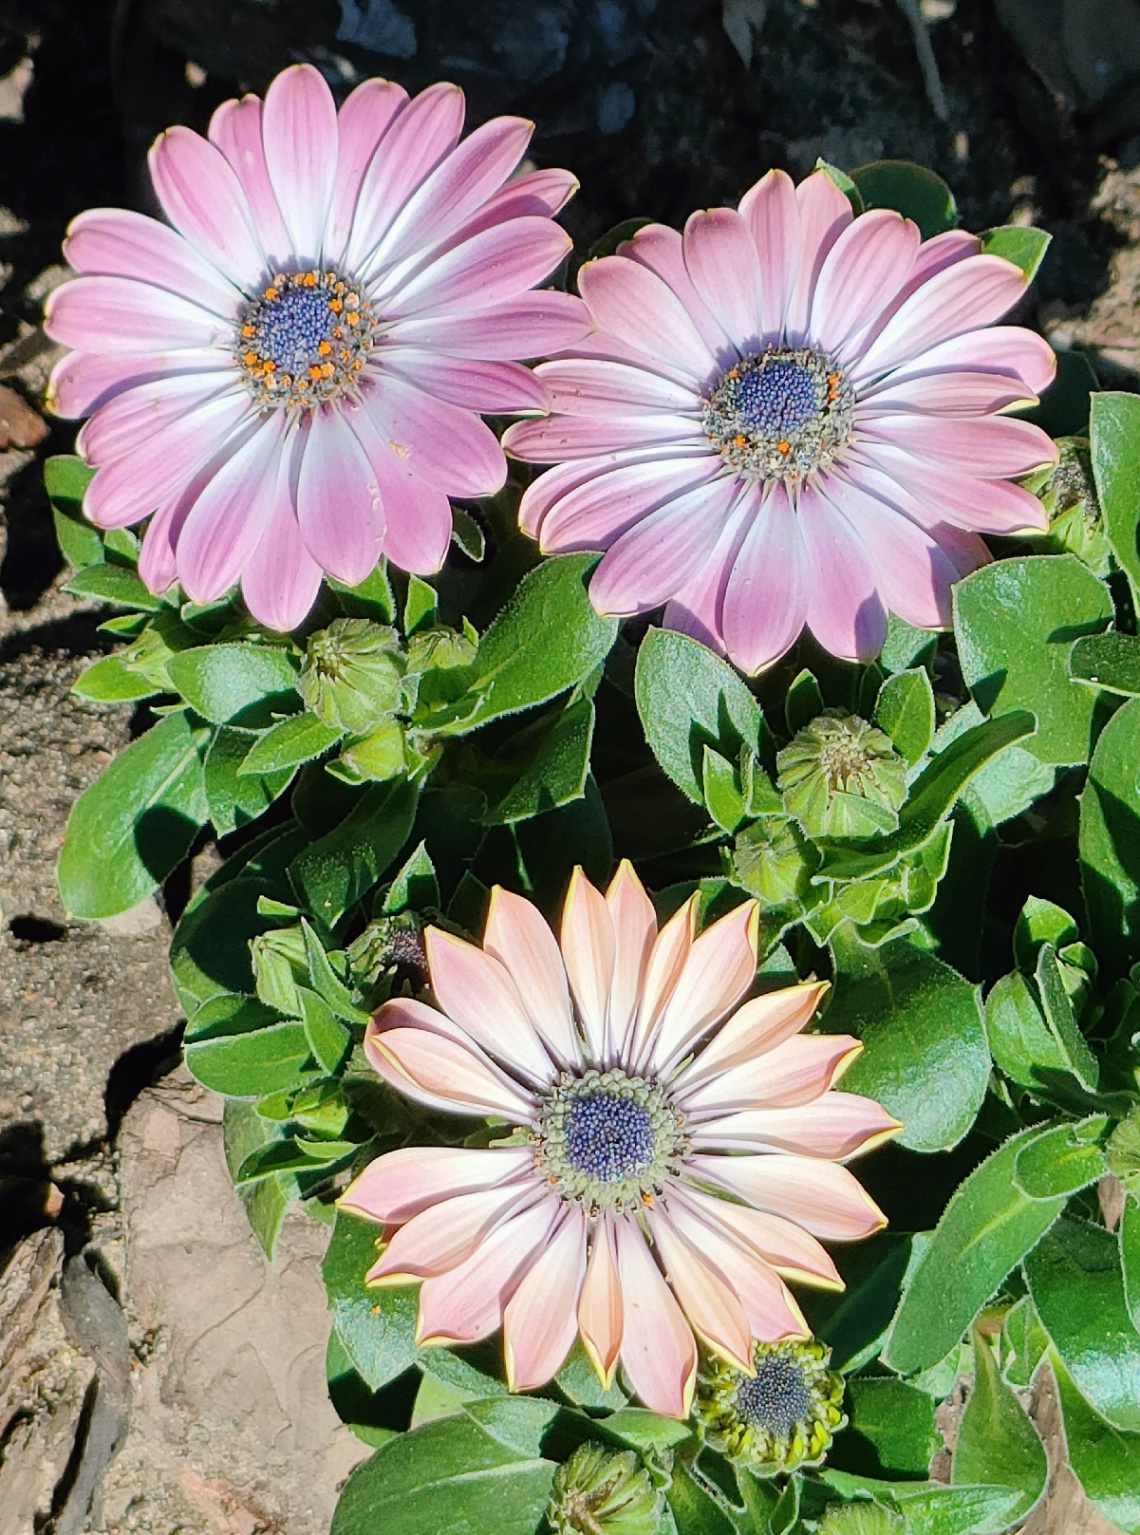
(968, 877)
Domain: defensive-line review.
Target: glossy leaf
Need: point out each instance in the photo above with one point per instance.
(135, 823)
(1015, 622)
(1110, 660)
(376, 1326)
(235, 799)
(238, 684)
(1130, 1257)
(1019, 243)
(1021, 1041)
(1075, 1280)
(996, 1443)
(986, 1229)
(297, 738)
(1061, 1160)
(688, 698)
(111, 681)
(891, 1432)
(1010, 781)
(114, 584)
(1114, 439)
(924, 1046)
(962, 1510)
(1106, 1462)
(328, 1038)
(1110, 841)
(905, 711)
(251, 1062)
(912, 190)
(66, 478)
(552, 769)
(333, 872)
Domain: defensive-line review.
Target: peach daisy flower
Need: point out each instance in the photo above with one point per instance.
(676, 1154)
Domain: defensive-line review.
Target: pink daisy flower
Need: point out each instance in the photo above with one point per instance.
(674, 1155)
(288, 378)
(787, 416)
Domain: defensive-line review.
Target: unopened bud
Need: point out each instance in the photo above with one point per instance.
(603, 1492)
(351, 674)
(841, 777)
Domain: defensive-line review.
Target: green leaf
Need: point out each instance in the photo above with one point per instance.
(688, 698)
(249, 1063)
(519, 1422)
(326, 982)
(1076, 1284)
(721, 791)
(415, 886)
(1110, 660)
(578, 1380)
(1061, 1160)
(1025, 247)
(697, 1507)
(640, 1429)
(986, 1229)
(66, 478)
(235, 684)
(296, 739)
(1024, 1340)
(853, 1321)
(1114, 439)
(843, 181)
(373, 598)
(554, 766)
(803, 701)
(996, 1442)
(136, 822)
(209, 953)
(378, 1326)
(1010, 781)
(1109, 842)
(891, 1432)
(328, 1038)
(905, 711)
(939, 1510)
(1021, 1041)
(331, 874)
(911, 190)
(115, 584)
(924, 1045)
(1058, 1010)
(419, 606)
(450, 1477)
(1130, 1257)
(1106, 1461)
(111, 681)
(267, 1201)
(467, 534)
(1040, 922)
(906, 647)
(236, 799)
(1015, 622)
(547, 639)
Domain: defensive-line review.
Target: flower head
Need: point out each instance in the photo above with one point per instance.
(288, 378)
(841, 777)
(604, 1492)
(787, 416)
(352, 673)
(779, 1417)
(674, 1153)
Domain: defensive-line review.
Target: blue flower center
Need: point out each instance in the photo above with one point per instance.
(777, 397)
(609, 1137)
(305, 339)
(293, 325)
(776, 1398)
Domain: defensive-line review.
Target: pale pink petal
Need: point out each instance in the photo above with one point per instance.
(766, 595)
(658, 1350)
(707, 1299)
(670, 951)
(416, 516)
(593, 386)
(863, 271)
(114, 242)
(772, 213)
(947, 392)
(280, 581)
(697, 608)
(718, 970)
(425, 130)
(401, 1184)
(446, 447)
(983, 506)
(635, 929)
(823, 1197)
(720, 255)
(545, 492)
(532, 325)
(224, 525)
(754, 1029)
(431, 1058)
(990, 449)
(487, 269)
(521, 941)
(588, 953)
(769, 1310)
(82, 382)
(299, 131)
(117, 315)
(844, 610)
(600, 1308)
(491, 387)
(966, 551)
(1000, 349)
(364, 118)
(467, 1304)
(964, 296)
(235, 129)
(596, 513)
(125, 422)
(793, 1252)
(661, 249)
(824, 214)
(836, 1125)
(477, 991)
(793, 1073)
(158, 564)
(203, 199)
(540, 1319)
(130, 487)
(633, 304)
(338, 502)
(655, 558)
(540, 193)
(446, 1234)
(556, 438)
(934, 255)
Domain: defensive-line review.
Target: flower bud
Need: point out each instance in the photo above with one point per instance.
(774, 861)
(860, 1519)
(841, 777)
(1068, 494)
(1122, 1151)
(780, 1418)
(379, 755)
(351, 674)
(602, 1492)
(389, 943)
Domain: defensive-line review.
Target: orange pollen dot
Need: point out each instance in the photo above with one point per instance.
(310, 279)
(270, 292)
(358, 364)
(339, 287)
(335, 305)
(740, 442)
(324, 348)
(249, 358)
(315, 371)
(784, 446)
(327, 369)
(248, 331)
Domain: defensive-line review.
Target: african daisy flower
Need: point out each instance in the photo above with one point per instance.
(787, 416)
(288, 378)
(674, 1154)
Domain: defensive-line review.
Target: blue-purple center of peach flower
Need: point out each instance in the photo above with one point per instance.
(608, 1140)
(781, 413)
(776, 1398)
(305, 339)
